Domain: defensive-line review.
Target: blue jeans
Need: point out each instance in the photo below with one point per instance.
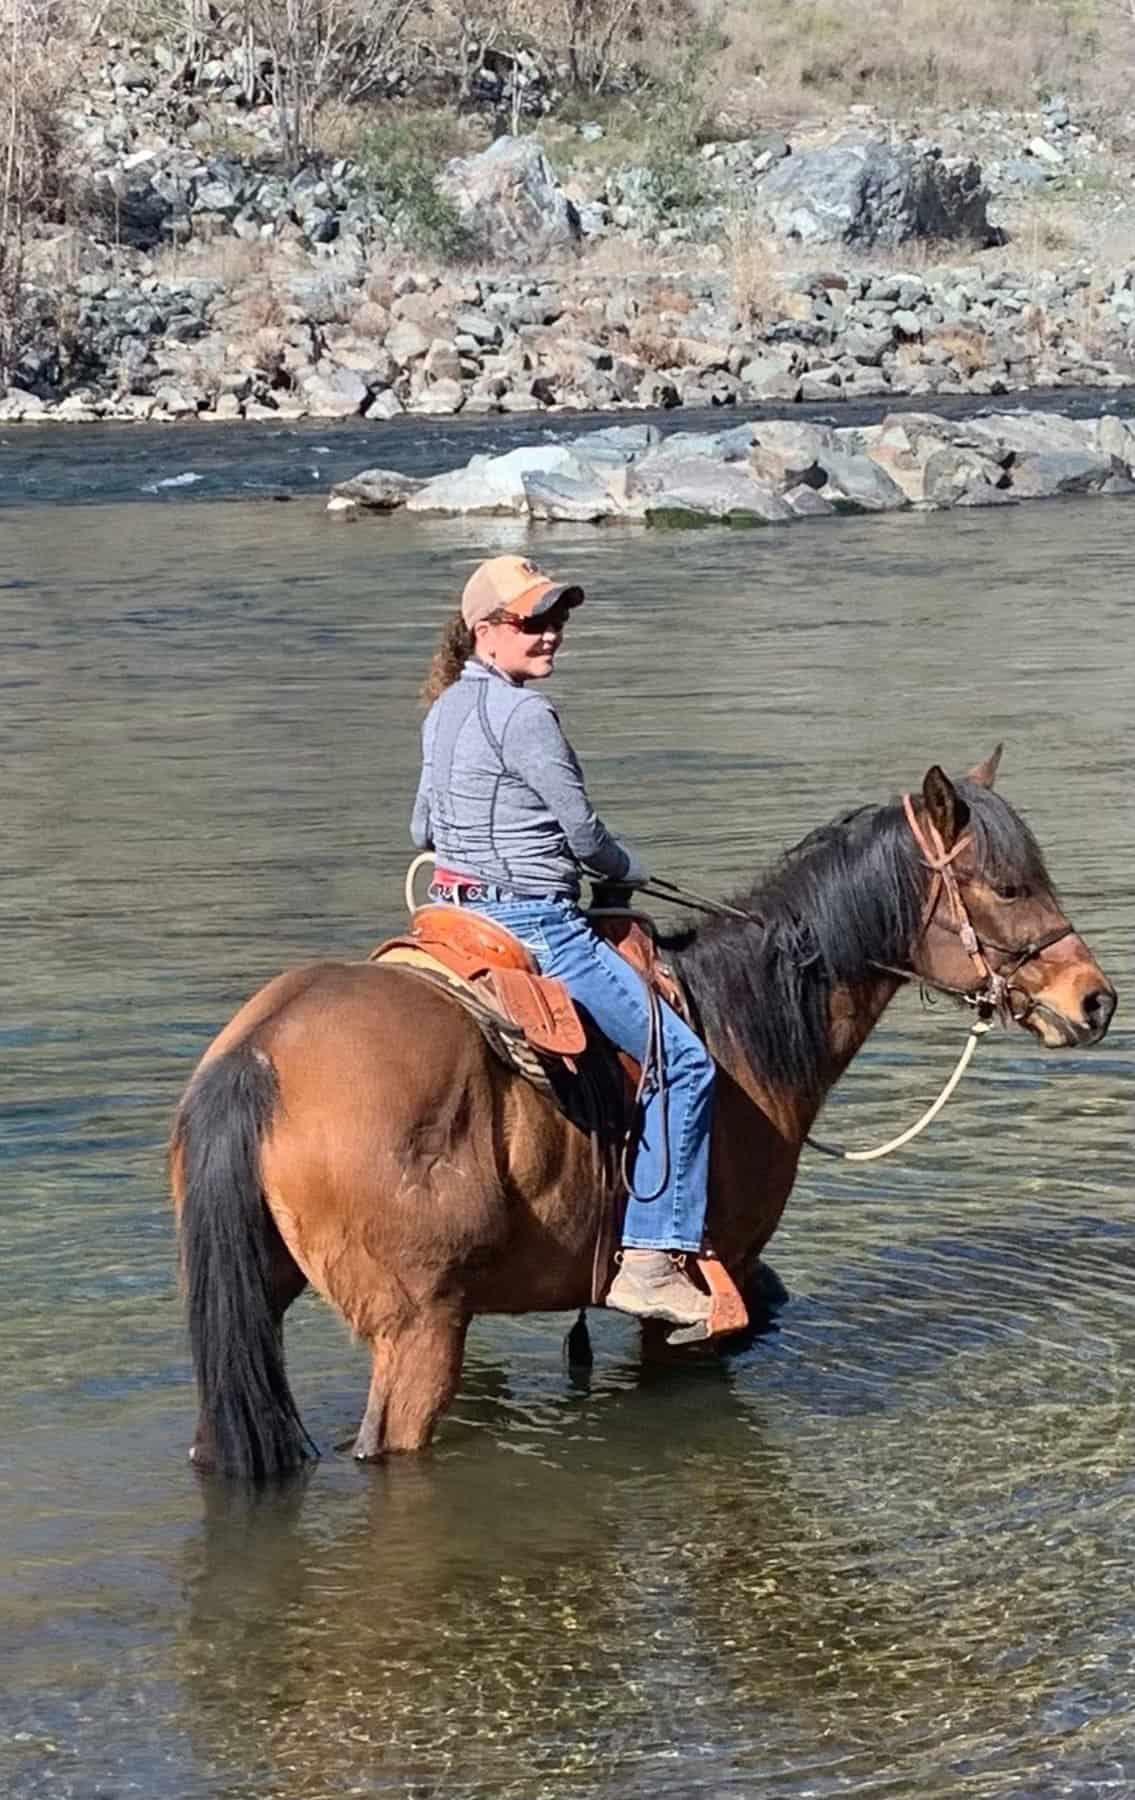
(614, 994)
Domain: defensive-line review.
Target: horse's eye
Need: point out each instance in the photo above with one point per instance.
(1009, 891)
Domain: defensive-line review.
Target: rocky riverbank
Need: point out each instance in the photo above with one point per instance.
(850, 259)
(771, 472)
(439, 345)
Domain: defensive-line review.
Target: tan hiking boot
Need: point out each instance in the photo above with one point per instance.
(650, 1285)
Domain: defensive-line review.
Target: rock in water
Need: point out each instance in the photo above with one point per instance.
(380, 489)
(856, 484)
(510, 200)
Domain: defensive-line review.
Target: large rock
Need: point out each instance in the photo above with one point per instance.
(791, 455)
(332, 393)
(1116, 437)
(856, 484)
(875, 194)
(570, 498)
(1042, 475)
(698, 490)
(380, 489)
(952, 476)
(493, 484)
(1032, 433)
(439, 398)
(510, 200)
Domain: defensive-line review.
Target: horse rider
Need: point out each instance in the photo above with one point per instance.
(502, 804)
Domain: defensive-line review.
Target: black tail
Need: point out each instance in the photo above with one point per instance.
(251, 1424)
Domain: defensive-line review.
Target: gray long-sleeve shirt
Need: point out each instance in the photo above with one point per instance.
(501, 795)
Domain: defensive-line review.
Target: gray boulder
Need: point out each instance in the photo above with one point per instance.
(570, 498)
(951, 475)
(875, 194)
(510, 200)
(856, 484)
(1047, 473)
(791, 455)
(806, 503)
(380, 489)
(699, 490)
(493, 484)
(331, 393)
(1027, 433)
(1116, 437)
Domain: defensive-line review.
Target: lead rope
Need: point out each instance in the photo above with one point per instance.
(976, 1032)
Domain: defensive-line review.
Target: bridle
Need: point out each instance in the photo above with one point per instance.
(996, 994)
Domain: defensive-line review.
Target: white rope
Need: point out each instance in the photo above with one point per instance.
(976, 1033)
(426, 859)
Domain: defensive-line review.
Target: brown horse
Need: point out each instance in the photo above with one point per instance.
(351, 1128)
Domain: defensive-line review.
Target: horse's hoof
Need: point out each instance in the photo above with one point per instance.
(364, 1453)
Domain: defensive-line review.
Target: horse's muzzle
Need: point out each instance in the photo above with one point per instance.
(1058, 1031)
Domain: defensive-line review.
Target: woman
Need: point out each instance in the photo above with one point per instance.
(502, 804)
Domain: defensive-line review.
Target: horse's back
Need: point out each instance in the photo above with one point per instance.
(354, 1003)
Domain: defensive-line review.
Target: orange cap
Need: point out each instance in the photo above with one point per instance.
(512, 584)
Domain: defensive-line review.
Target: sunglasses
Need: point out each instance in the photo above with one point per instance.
(549, 621)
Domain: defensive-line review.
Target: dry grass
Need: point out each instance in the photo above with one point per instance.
(968, 348)
(37, 64)
(811, 54)
(650, 343)
(756, 269)
(229, 259)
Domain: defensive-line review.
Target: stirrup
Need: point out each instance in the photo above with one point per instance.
(728, 1312)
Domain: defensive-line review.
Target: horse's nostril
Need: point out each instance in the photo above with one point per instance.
(1098, 1007)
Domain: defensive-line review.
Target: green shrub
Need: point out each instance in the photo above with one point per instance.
(403, 159)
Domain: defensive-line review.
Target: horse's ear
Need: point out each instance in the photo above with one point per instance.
(984, 774)
(945, 808)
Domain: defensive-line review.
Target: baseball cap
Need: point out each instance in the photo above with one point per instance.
(515, 585)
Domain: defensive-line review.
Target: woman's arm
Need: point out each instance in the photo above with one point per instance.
(535, 748)
(421, 825)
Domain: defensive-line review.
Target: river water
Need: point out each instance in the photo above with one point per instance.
(887, 1551)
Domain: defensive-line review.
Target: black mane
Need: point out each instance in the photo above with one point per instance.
(847, 898)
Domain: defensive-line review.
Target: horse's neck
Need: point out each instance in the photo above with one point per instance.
(854, 1014)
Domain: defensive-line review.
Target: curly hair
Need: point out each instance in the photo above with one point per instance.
(455, 647)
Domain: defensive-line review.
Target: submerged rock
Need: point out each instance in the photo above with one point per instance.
(381, 490)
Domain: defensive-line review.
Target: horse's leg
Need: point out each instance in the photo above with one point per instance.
(415, 1370)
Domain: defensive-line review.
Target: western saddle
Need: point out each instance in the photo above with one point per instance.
(531, 1022)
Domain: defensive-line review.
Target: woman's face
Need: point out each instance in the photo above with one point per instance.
(523, 649)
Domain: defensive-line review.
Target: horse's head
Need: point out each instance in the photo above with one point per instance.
(992, 926)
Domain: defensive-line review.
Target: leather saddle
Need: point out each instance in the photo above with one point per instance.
(531, 1022)
(478, 953)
